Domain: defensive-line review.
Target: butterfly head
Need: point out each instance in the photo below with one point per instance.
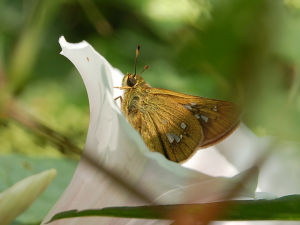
(133, 80)
(130, 80)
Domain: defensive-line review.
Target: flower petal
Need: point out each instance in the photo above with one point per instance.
(116, 145)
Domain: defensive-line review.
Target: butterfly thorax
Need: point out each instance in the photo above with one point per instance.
(135, 91)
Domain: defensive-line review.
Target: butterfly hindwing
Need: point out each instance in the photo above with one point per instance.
(218, 119)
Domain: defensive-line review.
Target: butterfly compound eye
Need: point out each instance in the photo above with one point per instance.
(131, 81)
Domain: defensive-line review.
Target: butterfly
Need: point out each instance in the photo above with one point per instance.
(172, 123)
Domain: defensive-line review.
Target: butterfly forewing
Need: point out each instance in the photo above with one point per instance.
(169, 128)
(151, 136)
(217, 118)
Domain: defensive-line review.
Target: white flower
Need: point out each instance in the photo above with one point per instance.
(115, 144)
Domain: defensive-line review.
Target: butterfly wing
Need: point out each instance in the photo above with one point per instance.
(176, 124)
(216, 118)
(169, 128)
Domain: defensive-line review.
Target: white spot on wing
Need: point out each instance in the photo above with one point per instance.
(170, 138)
(197, 116)
(183, 125)
(187, 107)
(193, 104)
(205, 118)
(177, 139)
(215, 108)
(173, 137)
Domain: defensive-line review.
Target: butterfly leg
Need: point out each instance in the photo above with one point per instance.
(122, 88)
(119, 97)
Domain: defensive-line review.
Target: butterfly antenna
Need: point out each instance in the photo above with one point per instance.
(145, 68)
(137, 52)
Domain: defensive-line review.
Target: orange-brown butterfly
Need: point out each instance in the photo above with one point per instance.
(172, 123)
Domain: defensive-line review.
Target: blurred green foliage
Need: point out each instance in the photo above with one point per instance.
(239, 50)
(245, 51)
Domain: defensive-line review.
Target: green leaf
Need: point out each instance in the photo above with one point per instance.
(284, 208)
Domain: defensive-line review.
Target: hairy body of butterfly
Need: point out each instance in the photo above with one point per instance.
(175, 124)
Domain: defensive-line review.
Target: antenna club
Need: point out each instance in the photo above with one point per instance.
(137, 51)
(136, 57)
